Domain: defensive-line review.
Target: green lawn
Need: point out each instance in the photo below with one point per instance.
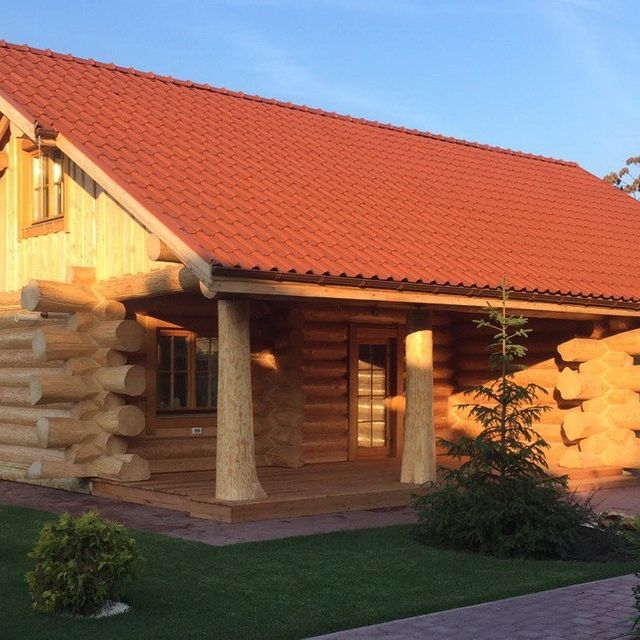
(281, 589)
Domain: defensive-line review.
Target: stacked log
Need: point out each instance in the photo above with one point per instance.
(601, 374)
(443, 375)
(324, 346)
(64, 381)
(278, 395)
(541, 368)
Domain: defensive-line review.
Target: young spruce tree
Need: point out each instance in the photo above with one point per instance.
(501, 499)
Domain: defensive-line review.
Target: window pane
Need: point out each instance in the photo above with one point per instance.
(364, 410)
(378, 430)
(202, 390)
(163, 392)
(379, 356)
(180, 351)
(57, 200)
(372, 390)
(57, 171)
(36, 168)
(45, 202)
(164, 353)
(179, 398)
(203, 354)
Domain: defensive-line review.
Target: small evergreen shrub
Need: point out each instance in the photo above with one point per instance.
(501, 499)
(81, 563)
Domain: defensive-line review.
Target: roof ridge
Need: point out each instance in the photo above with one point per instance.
(281, 103)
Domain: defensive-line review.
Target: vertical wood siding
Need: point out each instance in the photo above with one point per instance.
(100, 233)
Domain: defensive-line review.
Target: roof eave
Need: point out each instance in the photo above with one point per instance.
(227, 281)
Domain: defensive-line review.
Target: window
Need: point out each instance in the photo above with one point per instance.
(43, 191)
(47, 195)
(187, 371)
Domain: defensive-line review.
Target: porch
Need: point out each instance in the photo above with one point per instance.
(309, 490)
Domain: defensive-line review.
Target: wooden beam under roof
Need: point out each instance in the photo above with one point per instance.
(4, 126)
(224, 286)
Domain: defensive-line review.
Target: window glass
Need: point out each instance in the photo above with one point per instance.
(187, 371)
(47, 186)
(372, 391)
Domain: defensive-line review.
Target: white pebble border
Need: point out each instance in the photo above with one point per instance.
(111, 608)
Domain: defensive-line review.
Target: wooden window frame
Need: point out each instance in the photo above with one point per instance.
(30, 228)
(205, 417)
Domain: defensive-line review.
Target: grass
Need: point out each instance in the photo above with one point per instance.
(281, 589)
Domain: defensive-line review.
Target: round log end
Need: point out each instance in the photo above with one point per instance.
(130, 335)
(113, 358)
(135, 380)
(30, 296)
(206, 292)
(159, 251)
(36, 392)
(110, 310)
(569, 384)
(573, 425)
(35, 470)
(42, 432)
(130, 420)
(582, 349)
(188, 280)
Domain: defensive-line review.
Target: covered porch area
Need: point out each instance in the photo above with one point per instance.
(309, 490)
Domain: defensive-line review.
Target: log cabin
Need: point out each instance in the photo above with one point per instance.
(243, 308)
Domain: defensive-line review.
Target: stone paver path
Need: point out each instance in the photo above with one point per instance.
(599, 610)
(181, 525)
(620, 499)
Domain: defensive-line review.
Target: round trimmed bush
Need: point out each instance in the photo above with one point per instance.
(81, 563)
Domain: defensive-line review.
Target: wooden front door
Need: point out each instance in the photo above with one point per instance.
(374, 380)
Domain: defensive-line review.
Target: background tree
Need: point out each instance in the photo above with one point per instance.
(628, 178)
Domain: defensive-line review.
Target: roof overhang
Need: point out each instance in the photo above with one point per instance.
(219, 282)
(28, 124)
(269, 284)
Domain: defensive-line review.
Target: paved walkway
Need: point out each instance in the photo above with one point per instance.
(593, 611)
(620, 499)
(181, 525)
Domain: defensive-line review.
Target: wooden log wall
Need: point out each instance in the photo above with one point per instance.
(170, 444)
(603, 377)
(325, 347)
(64, 380)
(278, 396)
(543, 368)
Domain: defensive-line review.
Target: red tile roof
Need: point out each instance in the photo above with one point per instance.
(252, 183)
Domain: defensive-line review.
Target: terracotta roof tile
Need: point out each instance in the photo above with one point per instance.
(253, 183)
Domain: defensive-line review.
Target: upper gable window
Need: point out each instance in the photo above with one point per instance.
(43, 193)
(47, 197)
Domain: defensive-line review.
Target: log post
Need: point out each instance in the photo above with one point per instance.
(236, 474)
(419, 453)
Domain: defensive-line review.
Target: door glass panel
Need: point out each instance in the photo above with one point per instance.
(372, 391)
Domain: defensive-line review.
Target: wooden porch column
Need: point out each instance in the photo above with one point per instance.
(419, 451)
(236, 475)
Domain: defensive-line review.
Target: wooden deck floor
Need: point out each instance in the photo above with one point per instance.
(309, 490)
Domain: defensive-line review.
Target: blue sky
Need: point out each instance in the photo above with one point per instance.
(556, 77)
